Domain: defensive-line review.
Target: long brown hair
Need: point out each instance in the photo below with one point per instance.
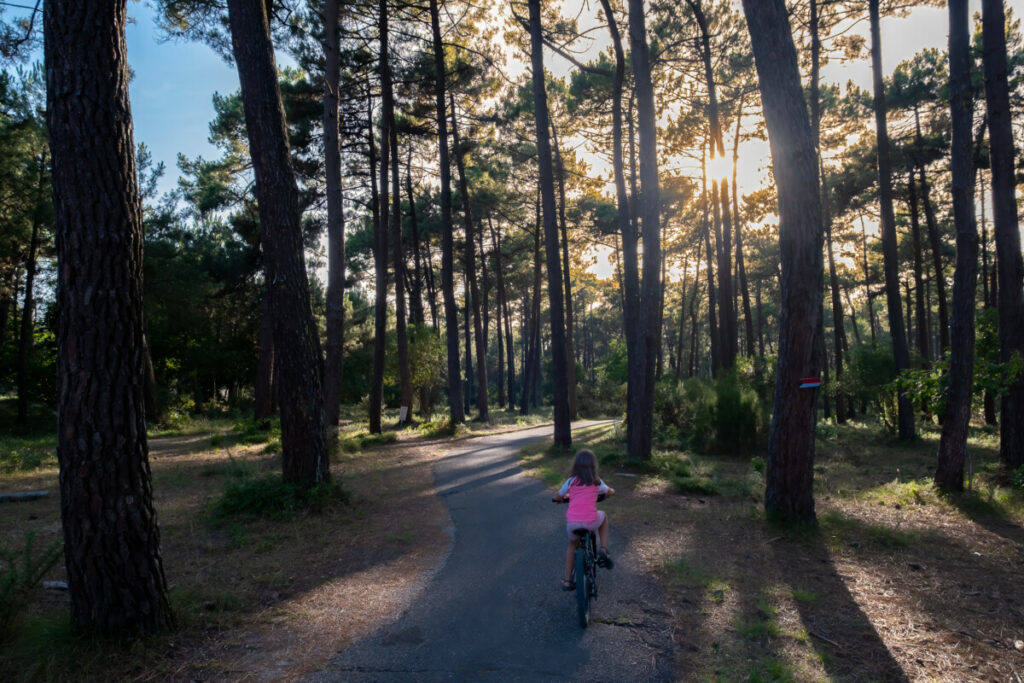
(584, 468)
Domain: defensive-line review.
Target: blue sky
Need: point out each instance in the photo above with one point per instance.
(175, 80)
(172, 92)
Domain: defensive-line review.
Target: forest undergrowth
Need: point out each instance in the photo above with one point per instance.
(895, 582)
(252, 595)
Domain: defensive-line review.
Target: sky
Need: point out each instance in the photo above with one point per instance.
(175, 80)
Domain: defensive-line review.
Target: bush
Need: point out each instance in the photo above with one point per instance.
(725, 415)
(1017, 478)
(20, 573)
(272, 497)
(869, 379)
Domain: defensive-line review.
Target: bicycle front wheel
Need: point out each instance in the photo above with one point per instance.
(582, 587)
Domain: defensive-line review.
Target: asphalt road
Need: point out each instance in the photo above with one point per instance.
(495, 610)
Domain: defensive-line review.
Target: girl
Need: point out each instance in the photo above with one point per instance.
(582, 490)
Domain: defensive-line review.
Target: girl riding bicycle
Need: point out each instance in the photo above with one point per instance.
(582, 490)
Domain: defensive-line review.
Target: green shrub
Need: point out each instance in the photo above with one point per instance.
(1017, 478)
(20, 573)
(870, 376)
(725, 415)
(272, 497)
(757, 464)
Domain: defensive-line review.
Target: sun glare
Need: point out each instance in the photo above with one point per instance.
(719, 167)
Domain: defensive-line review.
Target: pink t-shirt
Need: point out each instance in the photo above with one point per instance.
(582, 500)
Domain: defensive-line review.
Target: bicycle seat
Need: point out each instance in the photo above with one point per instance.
(581, 532)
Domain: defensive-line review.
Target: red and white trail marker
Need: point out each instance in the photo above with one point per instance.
(810, 383)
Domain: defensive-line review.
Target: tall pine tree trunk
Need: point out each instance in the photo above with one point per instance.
(559, 355)
(380, 251)
(471, 277)
(639, 445)
(335, 312)
(919, 302)
(901, 353)
(416, 295)
(949, 475)
(570, 346)
(397, 248)
(456, 411)
(630, 277)
(297, 359)
(112, 555)
(1006, 226)
(789, 474)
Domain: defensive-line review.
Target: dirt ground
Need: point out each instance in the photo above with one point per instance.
(893, 585)
(255, 599)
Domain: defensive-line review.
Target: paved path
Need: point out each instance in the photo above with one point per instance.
(494, 611)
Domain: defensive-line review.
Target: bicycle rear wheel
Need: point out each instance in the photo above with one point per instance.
(582, 586)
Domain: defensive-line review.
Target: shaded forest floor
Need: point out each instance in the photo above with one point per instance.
(895, 583)
(255, 598)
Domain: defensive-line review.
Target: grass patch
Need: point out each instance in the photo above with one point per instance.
(273, 498)
(363, 439)
(20, 573)
(234, 468)
(25, 453)
(439, 429)
(43, 648)
(768, 669)
(895, 493)
(756, 628)
(691, 474)
(806, 597)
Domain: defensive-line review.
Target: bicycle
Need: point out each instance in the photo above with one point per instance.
(585, 569)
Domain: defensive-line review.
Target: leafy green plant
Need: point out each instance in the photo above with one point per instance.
(20, 573)
(274, 498)
(1017, 478)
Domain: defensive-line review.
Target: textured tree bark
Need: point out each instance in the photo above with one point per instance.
(559, 357)
(839, 334)
(504, 390)
(416, 295)
(937, 265)
(741, 268)
(456, 411)
(335, 313)
(790, 468)
(570, 345)
(470, 266)
(397, 250)
(901, 352)
(1005, 226)
(111, 539)
(264, 389)
(630, 277)
(919, 304)
(949, 474)
(380, 241)
(650, 288)
(726, 300)
(298, 359)
(681, 330)
(467, 371)
(713, 330)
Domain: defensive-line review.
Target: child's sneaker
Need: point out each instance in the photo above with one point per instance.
(604, 560)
